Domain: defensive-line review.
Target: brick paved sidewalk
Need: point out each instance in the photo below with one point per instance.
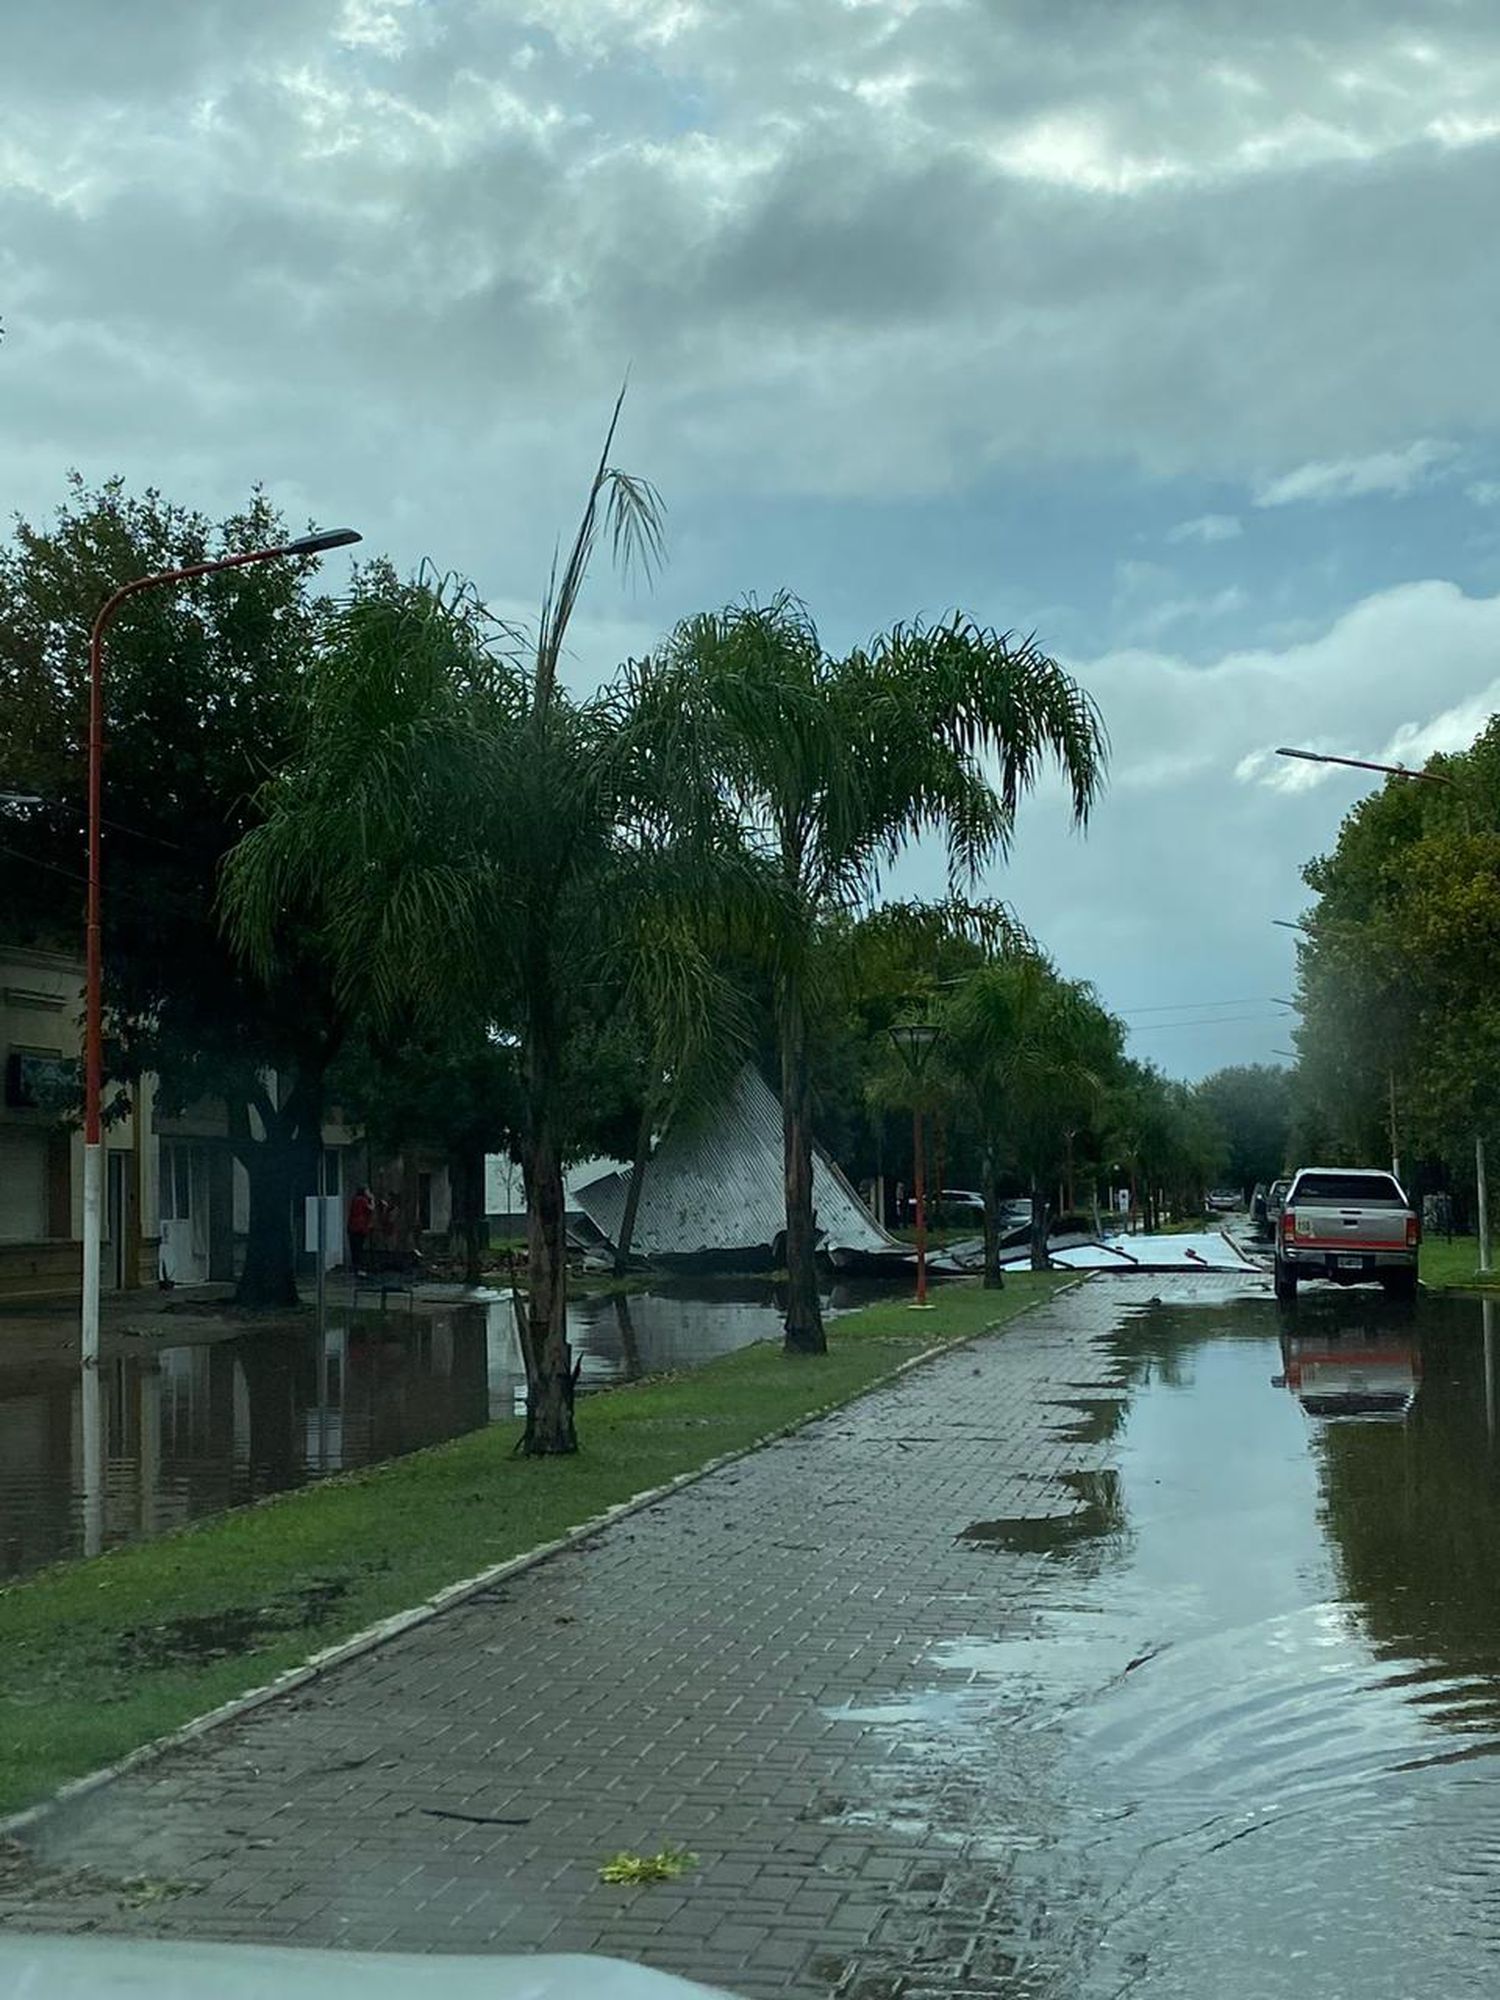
(679, 1678)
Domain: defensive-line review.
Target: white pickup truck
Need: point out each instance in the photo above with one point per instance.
(1353, 1225)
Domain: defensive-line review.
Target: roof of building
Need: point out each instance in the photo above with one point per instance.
(718, 1186)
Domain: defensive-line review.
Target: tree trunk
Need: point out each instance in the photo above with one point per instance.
(550, 1429)
(994, 1277)
(268, 1278)
(1040, 1211)
(466, 1175)
(804, 1318)
(633, 1192)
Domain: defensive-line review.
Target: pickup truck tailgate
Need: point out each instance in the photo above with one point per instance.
(1365, 1227)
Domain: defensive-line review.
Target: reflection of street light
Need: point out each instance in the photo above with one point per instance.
(93, 1065)
(914, 1042)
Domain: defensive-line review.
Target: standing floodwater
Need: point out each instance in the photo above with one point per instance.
(191, 1430)
(1260, 1700)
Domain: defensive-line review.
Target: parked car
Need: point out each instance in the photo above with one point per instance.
(1223, 1201)
(1260, 1227)
(949, 1208)
(1351, 1225)
(1276, 1195)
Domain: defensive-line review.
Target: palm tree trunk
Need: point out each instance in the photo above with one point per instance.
(804, 1318)
(994, 1277)
(633, 1192)
(550, 1429)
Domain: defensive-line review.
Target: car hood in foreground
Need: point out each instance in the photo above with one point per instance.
(97, 1968)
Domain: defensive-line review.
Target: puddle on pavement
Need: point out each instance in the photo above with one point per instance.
(1098, 1418)
(1244, 1739)
(1100, 1511)
(189, 1431)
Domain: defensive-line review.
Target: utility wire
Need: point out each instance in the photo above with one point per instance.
(1188, 1006)
(1211, 1021)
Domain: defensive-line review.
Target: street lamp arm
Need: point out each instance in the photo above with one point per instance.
(304, 545)
(1364, 764)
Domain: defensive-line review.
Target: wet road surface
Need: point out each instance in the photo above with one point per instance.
(1152, 1648)
(1266, 1662)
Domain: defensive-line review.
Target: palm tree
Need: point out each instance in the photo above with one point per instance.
(469, 841)
(828, 767)
(1034, 1053)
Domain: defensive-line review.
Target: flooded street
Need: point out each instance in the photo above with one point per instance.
(1246, 1745)
(188, 1431)
(1151, 1648)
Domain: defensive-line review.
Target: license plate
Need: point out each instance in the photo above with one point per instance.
(1351, 1263)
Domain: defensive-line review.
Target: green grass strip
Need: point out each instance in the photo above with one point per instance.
(99, 1657)
(1456, 1263)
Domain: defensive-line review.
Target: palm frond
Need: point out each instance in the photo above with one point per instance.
(634, 514)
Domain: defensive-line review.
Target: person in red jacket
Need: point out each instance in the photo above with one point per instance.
(361, 1222)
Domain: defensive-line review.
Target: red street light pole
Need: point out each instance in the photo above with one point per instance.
(914, 1042)
(93, 1010)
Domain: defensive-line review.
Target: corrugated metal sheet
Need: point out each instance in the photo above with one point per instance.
(719, 1188)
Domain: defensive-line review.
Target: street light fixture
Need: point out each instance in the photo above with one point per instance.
(914, 1042)
(1390, 770)
(93, 1066)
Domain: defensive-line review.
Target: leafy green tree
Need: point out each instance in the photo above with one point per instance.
(203, 697)
(1034, 1052)
(827, 768)
(1252, 1103)
(457, 1093)
(1400, 1039)
(1165, 1137)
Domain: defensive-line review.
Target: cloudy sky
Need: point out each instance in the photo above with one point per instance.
(1164, 328)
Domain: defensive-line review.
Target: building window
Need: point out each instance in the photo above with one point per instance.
(38, 1080)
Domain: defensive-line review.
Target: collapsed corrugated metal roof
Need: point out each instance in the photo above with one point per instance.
(717, 1190)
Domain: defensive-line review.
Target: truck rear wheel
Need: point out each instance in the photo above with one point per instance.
(1285, 1280)
(1399, 1284)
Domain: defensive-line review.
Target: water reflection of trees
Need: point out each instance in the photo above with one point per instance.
(1156, 1347)
(1414, 1513)
(630, 1352)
